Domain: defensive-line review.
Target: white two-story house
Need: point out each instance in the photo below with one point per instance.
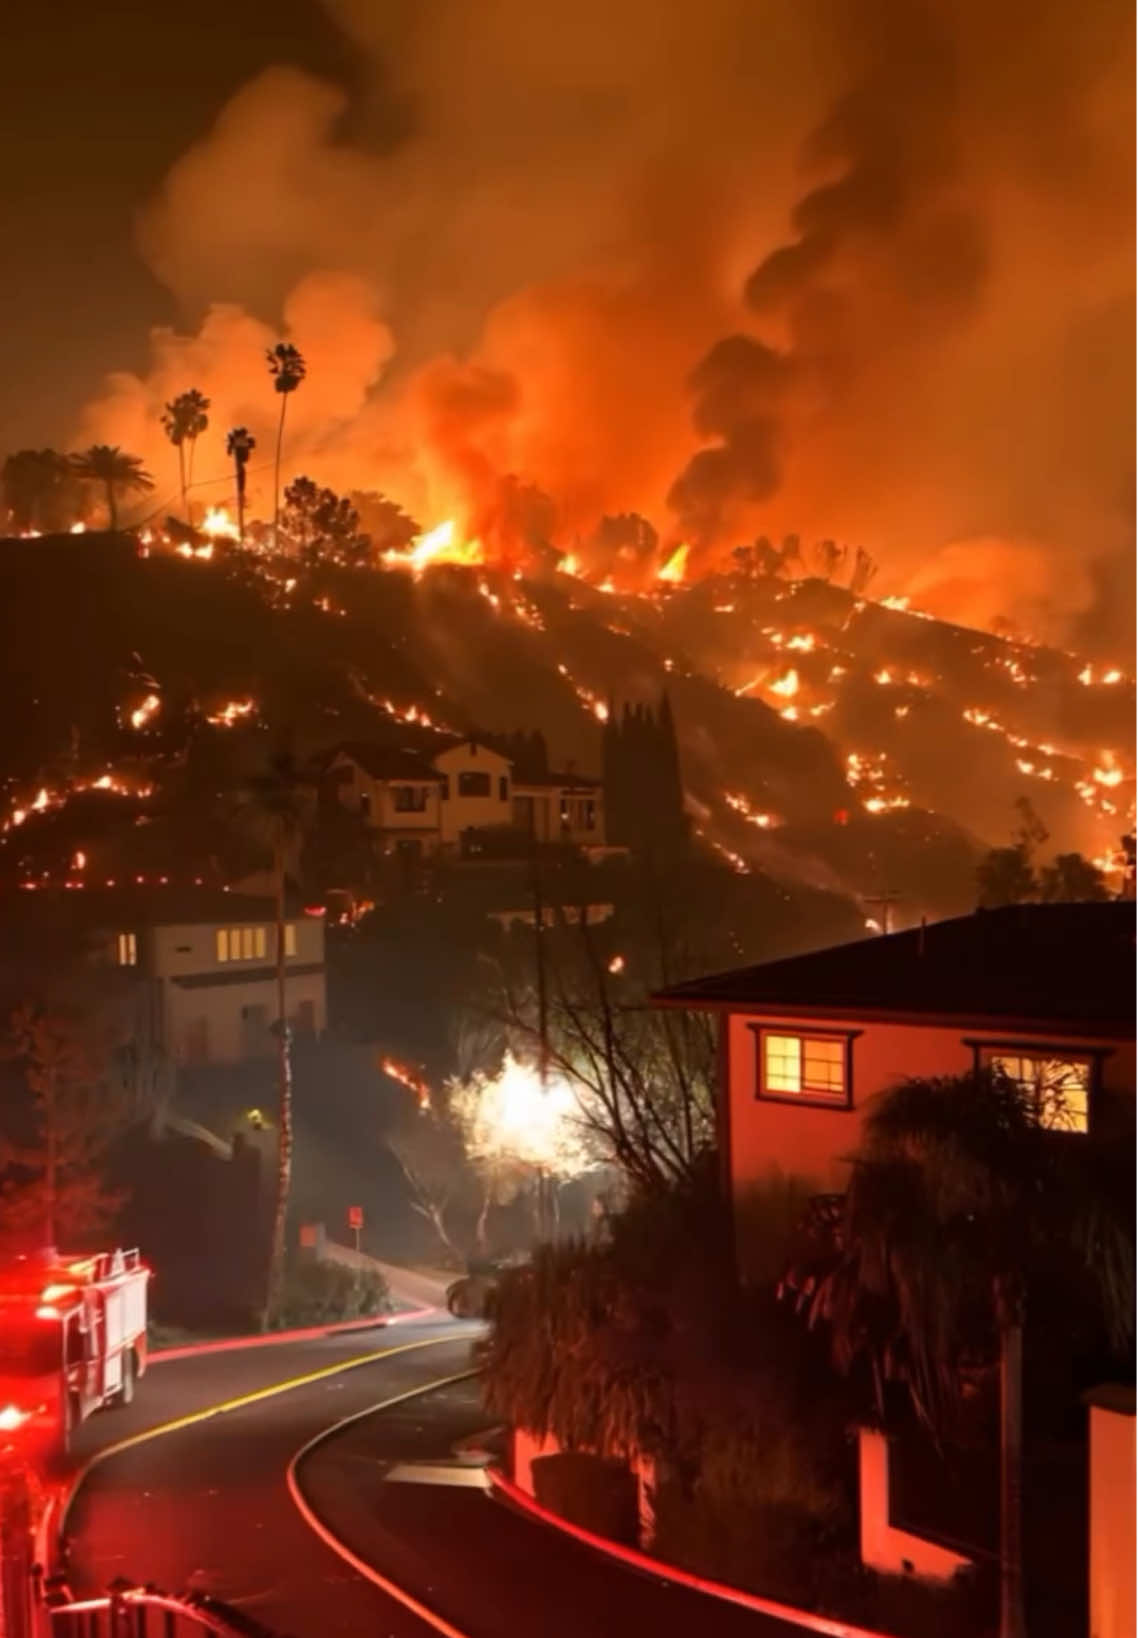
(206, 965)
(419, 806)
(1043, 992)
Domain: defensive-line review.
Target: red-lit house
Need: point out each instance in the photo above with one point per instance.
(1044, 992)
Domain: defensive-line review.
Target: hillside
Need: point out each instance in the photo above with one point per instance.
(825, 739)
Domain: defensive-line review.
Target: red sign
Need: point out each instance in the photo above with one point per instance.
(308, 1234)
(355, 1217)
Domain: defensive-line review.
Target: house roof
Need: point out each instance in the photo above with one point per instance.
(389, 762)
(1068, 967)
(557, 782)
(129, 907)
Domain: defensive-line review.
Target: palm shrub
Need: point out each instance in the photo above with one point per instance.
(644, 1344)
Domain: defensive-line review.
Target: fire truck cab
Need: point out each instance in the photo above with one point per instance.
(72, 1339)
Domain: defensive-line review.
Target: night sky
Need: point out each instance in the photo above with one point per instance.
(98, 101)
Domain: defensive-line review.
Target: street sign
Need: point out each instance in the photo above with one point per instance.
(355, 1217)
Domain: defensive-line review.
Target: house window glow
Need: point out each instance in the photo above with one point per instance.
(1060, 1087)
(806, 1066)
(290, 938)
(128, 950)
(241, 943)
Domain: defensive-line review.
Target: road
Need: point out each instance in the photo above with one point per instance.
(207, 1506)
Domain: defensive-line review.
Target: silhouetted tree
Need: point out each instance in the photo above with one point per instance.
(276, 806)
(116, 471)
(184, 419)
(239, 445)
(390, 528)
(1070, 878)
(323, 525)
(288, 370)
(40, 490)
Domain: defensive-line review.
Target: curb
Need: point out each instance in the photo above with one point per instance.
(656, 1568)
(268, 1339)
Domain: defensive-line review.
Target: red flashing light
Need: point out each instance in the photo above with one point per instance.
(314, 910)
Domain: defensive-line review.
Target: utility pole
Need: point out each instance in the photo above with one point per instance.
(886, 902)
(542, 1009)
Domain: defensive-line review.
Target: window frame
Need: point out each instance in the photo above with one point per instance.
(1054, 1051)
(806, 1099)
(484, 794)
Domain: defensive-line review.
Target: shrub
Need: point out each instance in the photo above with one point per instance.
(319, 1293)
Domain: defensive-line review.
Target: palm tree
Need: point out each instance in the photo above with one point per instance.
(960, 1203)
(276, 807)
(239, 445)
(38, 489)
(115, 470)
(288, 370)
(184, 419)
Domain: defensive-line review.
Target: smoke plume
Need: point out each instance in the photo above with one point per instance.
(857, 270)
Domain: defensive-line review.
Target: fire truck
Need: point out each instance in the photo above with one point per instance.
(72, 1339)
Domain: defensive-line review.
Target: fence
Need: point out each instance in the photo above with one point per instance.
(143, 1612)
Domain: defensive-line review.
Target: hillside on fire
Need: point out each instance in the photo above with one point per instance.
(826, 740)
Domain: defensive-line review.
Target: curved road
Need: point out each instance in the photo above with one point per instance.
(208, 1506)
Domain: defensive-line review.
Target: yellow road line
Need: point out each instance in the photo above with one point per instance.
(341, 1549)
(227, 1405)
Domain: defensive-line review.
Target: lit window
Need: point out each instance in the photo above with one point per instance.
(260, 942)
(246, 944)
(223, 944)
(128, 950)
(290, 938)
(805, 1066)
(1059, 1087)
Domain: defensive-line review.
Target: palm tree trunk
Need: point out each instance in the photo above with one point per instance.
(112, 506)
(1011, 1479)
(284, 1108)
(188, 483)
(277, 477)
(182, 473)
(241, 500)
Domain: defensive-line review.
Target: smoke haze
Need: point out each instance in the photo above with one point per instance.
(857, 270)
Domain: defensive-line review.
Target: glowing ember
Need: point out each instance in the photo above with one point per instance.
(146, 712)
(1110, 774)
(785, 686)
(673, 570)
(616, 964)
(408, 1078)
(202, 553)
(901, 603)
(764, 821)
(233, 711)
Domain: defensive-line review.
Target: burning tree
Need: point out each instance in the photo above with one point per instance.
(518, 1128)
(323, 525)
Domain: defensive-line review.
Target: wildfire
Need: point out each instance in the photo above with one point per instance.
(1109, 679)
(1109, 774)
(202, 553)
(439, 545)
(674, 569)
(408, 1078)
(218, 524)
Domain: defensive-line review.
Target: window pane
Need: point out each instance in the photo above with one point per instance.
(261, 944)
(782, 1063)
(290, 938)
(823, 1065)
(223, 944)
(1060, 1087)
(246, 944)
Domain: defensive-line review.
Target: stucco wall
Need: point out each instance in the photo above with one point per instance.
(815, 1141)
(458, 813)
(221, 1007)
(1112, 1565)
